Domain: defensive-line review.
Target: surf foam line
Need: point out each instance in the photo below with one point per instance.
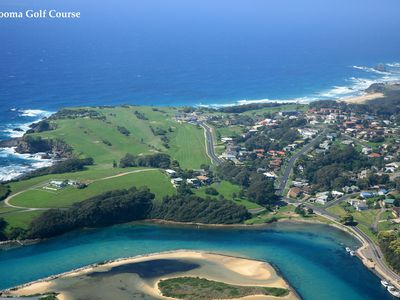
(356, 87)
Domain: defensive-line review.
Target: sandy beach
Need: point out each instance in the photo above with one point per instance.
(363, 99)
(212, 266)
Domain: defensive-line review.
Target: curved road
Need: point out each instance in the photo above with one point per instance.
(7, 200)
(371, 251)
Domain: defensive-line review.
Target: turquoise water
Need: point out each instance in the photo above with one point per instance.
(311, 257)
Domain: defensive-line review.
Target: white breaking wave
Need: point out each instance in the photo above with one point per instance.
(30, 162)
(34, 113)
(38, 114)
(394, 65)
(355, 86)
(371, 70)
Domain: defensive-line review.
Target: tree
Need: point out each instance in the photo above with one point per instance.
(300, 210)
(347, 219)
(211, 191)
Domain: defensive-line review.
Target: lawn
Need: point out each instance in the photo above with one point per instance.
(226, 189)
(157, 182)
(92, 173)
(20, 219)
(282, 212)
(188, 146)
(337, 210)
(101, 139)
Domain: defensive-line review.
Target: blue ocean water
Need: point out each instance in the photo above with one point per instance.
(311, 257)
(179, 52)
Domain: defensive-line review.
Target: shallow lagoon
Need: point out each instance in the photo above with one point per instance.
(310, 257)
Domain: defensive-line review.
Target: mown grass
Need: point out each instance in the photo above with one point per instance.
(187, 146)
(20, 219)
(227, 190)
(157, 182)
(283, 212)
(87, 136)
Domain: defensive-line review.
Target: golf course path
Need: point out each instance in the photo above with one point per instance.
(9, 198)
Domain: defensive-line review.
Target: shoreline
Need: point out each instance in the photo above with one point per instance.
(363, 99)
(363, 244)
(252, 268)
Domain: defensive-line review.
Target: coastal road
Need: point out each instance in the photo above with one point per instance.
(215, 160)
(294, 158)
(370, 251)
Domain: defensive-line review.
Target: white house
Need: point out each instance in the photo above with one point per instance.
(170, 173)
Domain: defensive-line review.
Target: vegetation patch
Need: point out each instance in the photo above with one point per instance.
(193, 288)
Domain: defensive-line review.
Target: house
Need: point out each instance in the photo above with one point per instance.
(360, 205)
(300, 183)
(295, 192)
(58, 184)
(193, 182)
(170, 173)
(374, 155)
(382, 192)
(337, 194)
(388, 202)
(366, 195)
(176, 181)
(270, 175)
(351, 189)
(366, 150)
(204, 179)
(322, 200)
(226, 139)
(287, 113)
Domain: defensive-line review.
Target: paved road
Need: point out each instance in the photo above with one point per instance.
(294, 158)
(215, 160)
(374, 254)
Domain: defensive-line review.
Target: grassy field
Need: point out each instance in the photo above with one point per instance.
(38, 197)
(101, 139)
(284, 212)
(226, 189)
(20, 219)
(188, 146)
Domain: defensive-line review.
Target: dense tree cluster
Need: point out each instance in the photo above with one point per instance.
(327, 170)
(3, 225)
(158, 160)
(76, 113)
(190, 208)
(258, 188)
(109, 208)
(140, 115)
(390, 245)
(247, 107)
(4, 191)
(65, 166)
(123, 130)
